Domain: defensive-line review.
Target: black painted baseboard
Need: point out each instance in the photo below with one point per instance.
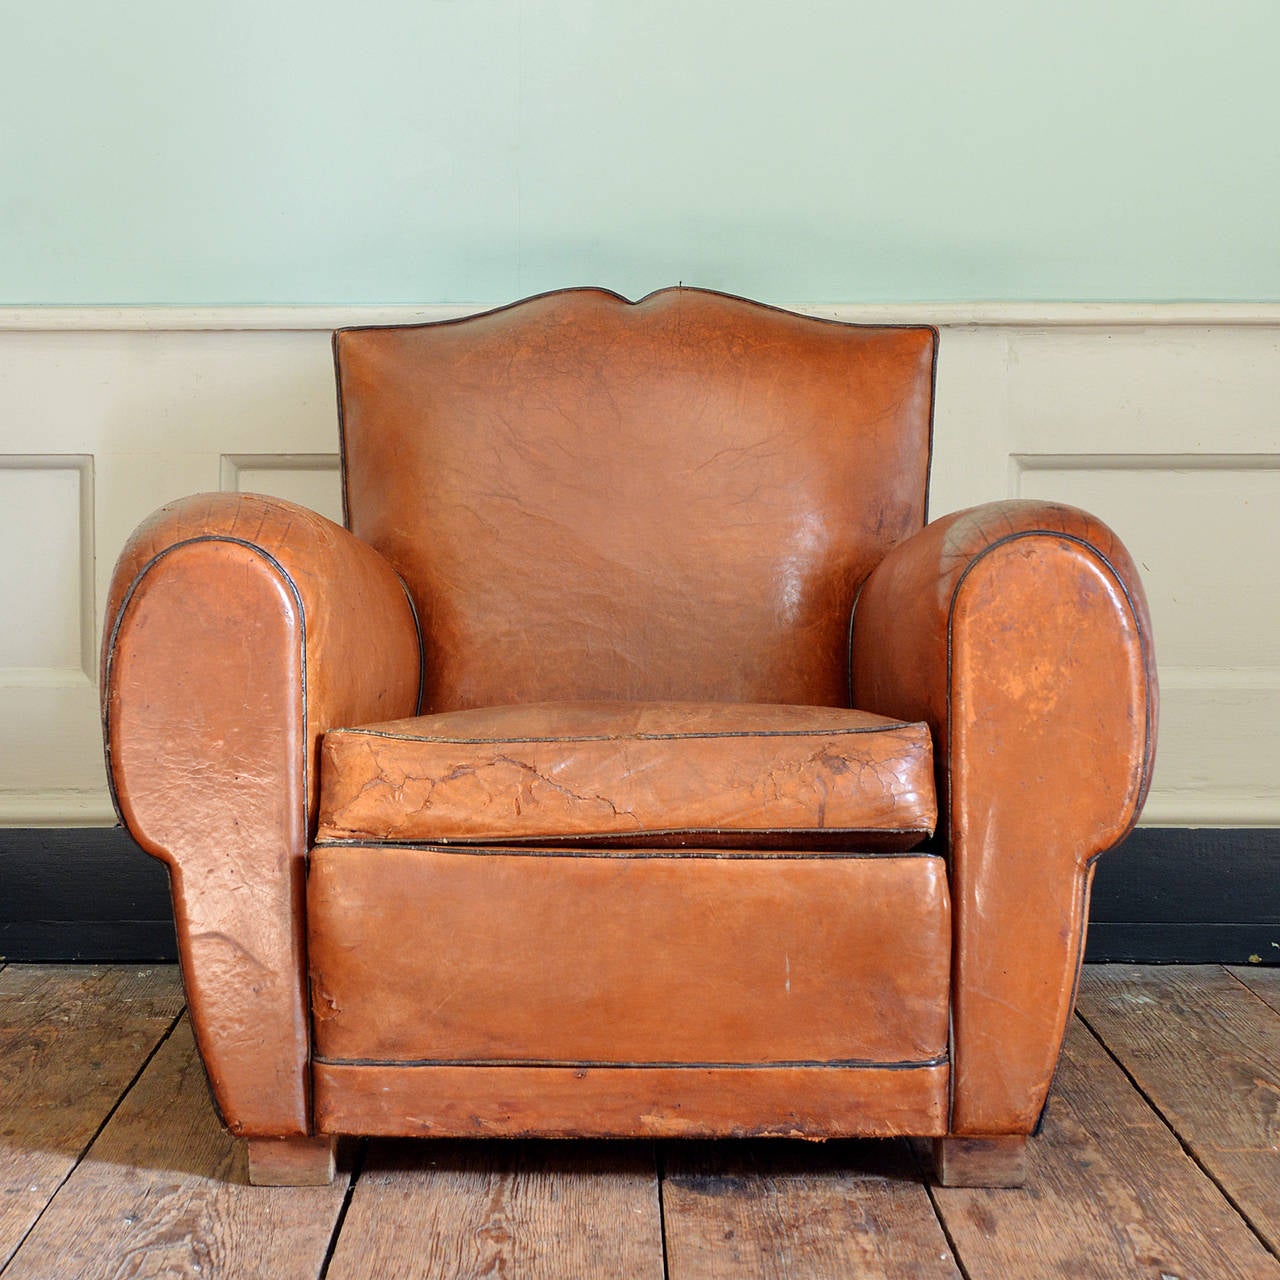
(1167, 895)
(1189, 895)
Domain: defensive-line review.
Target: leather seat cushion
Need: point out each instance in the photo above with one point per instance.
(705, 775)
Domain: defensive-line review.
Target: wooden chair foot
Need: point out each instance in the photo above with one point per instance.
(998, 1161)
(291, 1162)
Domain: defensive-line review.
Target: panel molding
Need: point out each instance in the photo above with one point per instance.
(287, 475)
(86, 673)
(56, 808)
(992, 314)
(1212, 677)
(1024, 462)
(174, 400)
(1193, 789)
(232, 464)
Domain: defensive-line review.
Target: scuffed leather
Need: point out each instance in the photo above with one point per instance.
(675, 499)
(739, 775)
(239, 629)
(1019, 632)
(654, 1102)
(559, 957)
(670, 501)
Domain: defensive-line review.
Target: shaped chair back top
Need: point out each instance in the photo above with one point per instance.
(671, 499)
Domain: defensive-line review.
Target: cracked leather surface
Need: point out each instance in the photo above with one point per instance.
(742, 775)
(1019, 632)
(672, 502)
(238, 632)
(675, 499)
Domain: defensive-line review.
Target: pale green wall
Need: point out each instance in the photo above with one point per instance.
(437, 150)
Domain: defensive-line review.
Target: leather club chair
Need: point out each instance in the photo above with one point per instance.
(637, 761)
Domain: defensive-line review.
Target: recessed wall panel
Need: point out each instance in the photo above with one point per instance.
(1203, 530)
(1204, 533)
(45, 543)
(311, 480)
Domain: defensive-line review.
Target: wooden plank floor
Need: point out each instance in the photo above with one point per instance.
(1159, 1157)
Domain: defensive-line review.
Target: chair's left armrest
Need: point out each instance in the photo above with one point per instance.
(239, 628)
(1019, 631)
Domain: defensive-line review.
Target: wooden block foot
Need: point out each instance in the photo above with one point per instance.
(291, 1162)
(998, 1161)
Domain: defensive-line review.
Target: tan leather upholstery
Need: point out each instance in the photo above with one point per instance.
(738, 775)
(671, 500)
(628, 958)
(1019, 632)
(237, 635)
(473, 1101)
(607, 850)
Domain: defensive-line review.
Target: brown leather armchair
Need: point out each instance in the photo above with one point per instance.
(639, 763)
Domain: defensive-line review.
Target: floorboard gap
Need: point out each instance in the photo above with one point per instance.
(1182, 1142)
(357, 1167)
(660, 1167)
(926, 1166)
(93, 1137)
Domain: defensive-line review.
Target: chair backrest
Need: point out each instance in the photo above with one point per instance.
(671, 499)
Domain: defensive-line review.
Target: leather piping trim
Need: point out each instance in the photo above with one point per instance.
(834, 1064)
(119, 618)
(634, 737)
(1083, 894)
(610, 293)
(848, 660)
(1148, 745)
(342, 433)
(417, 626)
(639, 302)
(477, 849)
(306, 810)
(933, 399)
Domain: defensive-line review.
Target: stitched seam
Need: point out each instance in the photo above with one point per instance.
(304, 994)
(551, 851)
(639, 302)
(124, 606)
(342, 429)
(422, 649)
(632, 832)
(1148, 745)
(838, 1064)
(1143, 645)
(632, 737)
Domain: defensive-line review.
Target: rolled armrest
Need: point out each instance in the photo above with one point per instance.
(240, 628)
(1019, 632)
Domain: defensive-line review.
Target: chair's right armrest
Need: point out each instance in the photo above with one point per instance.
(1018, 630)
(239, 628)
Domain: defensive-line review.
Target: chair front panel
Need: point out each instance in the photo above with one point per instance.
(431, 956)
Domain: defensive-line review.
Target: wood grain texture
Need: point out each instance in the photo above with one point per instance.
(1264, 983)
(71, 1040)
(1206, 1052)
(291, 1162)
(163, 1192)
(536, 1210)
(1110, 1195)
(981, 1162)
(800, 1211)
(1110, 1192)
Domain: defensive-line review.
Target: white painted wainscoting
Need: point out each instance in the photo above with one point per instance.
(1163, 419)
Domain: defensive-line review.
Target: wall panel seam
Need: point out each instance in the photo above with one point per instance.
(1016, 315)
